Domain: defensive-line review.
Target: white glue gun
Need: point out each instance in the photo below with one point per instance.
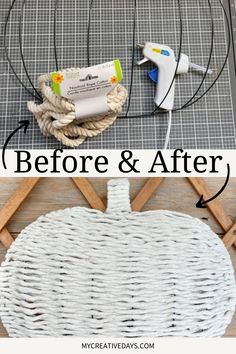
(164, 58)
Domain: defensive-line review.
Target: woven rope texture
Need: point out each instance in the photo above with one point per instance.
(56, 115)
(84, 273)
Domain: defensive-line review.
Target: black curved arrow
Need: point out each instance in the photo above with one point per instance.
(23, 124)
(203, 203)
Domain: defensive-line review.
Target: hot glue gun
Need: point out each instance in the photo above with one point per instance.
(164, 58)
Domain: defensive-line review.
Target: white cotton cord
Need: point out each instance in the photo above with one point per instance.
(168, 130)
(56, 115)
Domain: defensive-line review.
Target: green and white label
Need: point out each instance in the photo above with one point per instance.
(88, 87)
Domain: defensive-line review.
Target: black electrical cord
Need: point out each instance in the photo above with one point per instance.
(21, 51)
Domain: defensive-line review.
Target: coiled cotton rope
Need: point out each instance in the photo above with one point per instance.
(56, 115)
(85, 273)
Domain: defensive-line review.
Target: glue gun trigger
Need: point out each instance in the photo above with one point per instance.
(153, 75)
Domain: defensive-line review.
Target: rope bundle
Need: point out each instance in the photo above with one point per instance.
(56, 115)
(117, 274)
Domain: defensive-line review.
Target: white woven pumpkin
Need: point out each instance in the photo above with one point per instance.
(82, 272)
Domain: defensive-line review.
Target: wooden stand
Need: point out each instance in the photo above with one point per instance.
(26, 186)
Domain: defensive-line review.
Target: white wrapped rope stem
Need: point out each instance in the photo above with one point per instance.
(56, 115)
(81, 272)
(118, 198)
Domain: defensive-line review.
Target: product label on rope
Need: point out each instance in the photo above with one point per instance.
(88, 87)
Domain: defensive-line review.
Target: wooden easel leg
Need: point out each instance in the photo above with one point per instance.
(146, 192)
(229, 237)
(6, 238)
(11, 207)
(89, 193)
